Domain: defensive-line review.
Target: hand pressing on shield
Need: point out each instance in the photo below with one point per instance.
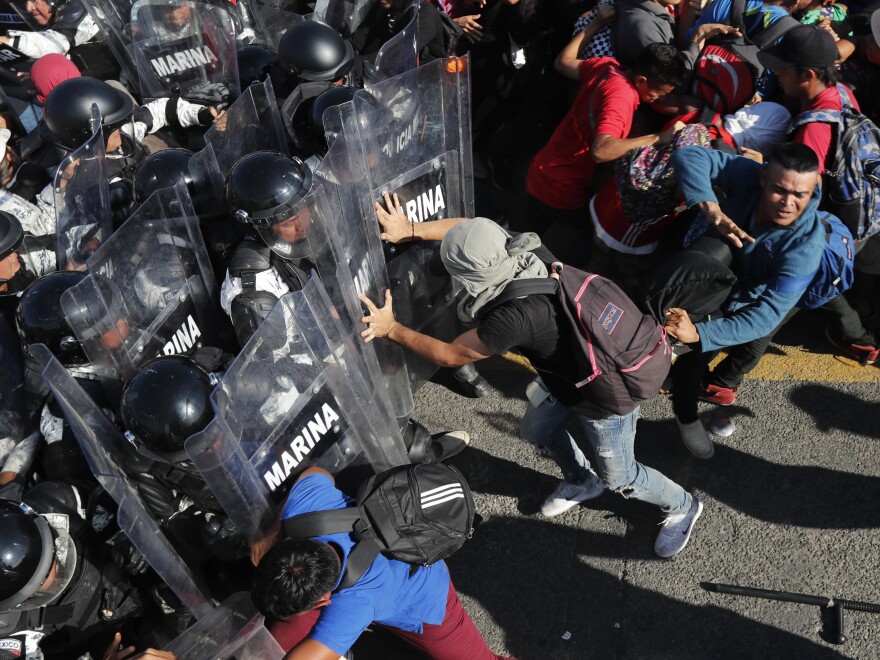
(395, 226)
(380, 321)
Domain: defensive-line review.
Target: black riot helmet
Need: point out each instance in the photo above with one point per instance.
(67, 112)
(164, 403)
(315, 52)
(26, 553)
(267, 191)
(326, 100)
(254, 63)
(40, 318)
(11, 234)
(163, 169)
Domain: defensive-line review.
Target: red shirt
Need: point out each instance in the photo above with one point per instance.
(561, 173)
(817, 135)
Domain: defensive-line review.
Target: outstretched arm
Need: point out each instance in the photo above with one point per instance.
(568, 61)
(464, 349)
(396, 228)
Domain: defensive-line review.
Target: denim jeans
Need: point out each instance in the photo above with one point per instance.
(612, 439)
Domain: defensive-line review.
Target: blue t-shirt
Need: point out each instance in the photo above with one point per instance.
(757, 15)
(386, 593)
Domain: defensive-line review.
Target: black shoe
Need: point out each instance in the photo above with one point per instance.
(468, 374)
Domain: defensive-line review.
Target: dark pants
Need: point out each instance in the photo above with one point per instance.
(567, 233)
(454, 639)
(849, 325)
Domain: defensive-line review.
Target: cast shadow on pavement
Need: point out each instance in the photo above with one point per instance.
(831, 409)
(535, 587)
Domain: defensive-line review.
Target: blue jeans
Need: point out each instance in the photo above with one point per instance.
(612, 439)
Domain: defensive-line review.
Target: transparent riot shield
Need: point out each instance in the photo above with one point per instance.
(359, 265)
(295, 396)
(400, 53)
(187, 47)
(150, 291)
(13, 417)
(82, 201)
(410, 135)
(272, 18)
(345, 16)
(101, 443)
(252, 123)
(173, 46)
(234, 629)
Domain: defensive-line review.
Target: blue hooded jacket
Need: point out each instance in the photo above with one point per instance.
(775, 270)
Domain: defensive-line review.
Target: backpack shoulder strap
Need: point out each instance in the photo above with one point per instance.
(521, 288)
(767, 36)
(832, 117)
(737, 12)
(321, 523)
(359, 560)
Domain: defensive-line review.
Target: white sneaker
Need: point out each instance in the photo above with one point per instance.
(676, 530)
(696, 439)
(568, 495)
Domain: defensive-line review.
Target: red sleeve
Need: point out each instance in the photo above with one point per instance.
(817, 136)
(617, 100)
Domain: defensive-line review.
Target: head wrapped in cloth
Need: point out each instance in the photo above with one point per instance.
(484, 258)
(761, 127)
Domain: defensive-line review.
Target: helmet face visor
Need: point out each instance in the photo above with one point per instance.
(62, 570)
(288, 237)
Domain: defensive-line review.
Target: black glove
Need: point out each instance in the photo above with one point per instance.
(126, 556)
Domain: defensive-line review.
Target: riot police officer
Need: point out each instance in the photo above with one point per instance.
(61, 594)
(14, 273)
(166, 402)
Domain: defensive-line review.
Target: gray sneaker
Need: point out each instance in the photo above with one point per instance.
(676, 530)
(569, 495)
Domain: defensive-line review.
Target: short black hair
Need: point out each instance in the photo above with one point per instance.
(661, 64)
(796, 157)
(827, 75)
(293, 576)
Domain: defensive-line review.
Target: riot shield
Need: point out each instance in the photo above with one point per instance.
(272, 18)
(295, 396)
(82, 201)
(150, 291)
(400, 53)
(410, 135)
(345, 16)
(185, 47)
(234, 629)
(101, 443)
(12, 411)
(359, 265)
(252, 123)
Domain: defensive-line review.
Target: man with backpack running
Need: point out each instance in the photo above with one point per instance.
(297, 586)
(771, 214)
(803, 61)
(481, 256)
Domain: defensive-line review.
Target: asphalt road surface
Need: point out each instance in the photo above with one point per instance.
(792, 503)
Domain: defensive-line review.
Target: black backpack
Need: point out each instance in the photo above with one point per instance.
(418, 514)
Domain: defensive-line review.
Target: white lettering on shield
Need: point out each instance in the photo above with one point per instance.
(183, 60)
(300, 447)
(184, 338)
(7, 55)
(426, 205)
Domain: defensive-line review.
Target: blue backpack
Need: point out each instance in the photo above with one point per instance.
(852, 182)
(835, 273)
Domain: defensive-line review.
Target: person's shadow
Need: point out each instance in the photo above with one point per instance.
(831, 409)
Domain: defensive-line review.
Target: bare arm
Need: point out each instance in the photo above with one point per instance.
(606, 148)
(464, 349)
(396, 228)
(568, 61)
(311, 649)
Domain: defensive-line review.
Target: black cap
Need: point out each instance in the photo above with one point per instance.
(805, 45)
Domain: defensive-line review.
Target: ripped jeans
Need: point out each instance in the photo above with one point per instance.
(612, 439)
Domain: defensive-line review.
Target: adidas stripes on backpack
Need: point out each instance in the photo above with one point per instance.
(418, 514)
(852, 180)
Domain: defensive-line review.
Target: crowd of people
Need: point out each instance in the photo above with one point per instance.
(710, 166)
